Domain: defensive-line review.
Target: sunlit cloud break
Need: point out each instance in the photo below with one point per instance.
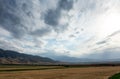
(75, 28)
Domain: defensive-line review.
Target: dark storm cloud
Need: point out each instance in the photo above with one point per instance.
(9, 19)
(53, 16)
(41, 32)
(65, 4)
(26, 7)
(18, 17)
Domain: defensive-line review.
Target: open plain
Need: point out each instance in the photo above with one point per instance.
(57, 72)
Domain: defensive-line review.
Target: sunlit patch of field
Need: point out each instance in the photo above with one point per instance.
(59, 72)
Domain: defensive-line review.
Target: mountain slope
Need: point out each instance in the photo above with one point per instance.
(13, 57)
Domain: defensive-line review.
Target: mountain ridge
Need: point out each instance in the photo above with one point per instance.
(13, 57)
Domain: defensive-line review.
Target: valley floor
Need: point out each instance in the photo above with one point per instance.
(62, 73)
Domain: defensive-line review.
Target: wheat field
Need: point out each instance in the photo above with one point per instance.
(63, 73)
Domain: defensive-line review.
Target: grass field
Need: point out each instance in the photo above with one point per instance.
(13, 68)
(56, 72)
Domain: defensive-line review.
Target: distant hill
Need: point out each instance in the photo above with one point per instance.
(13, 57)
(95, 58)
(68, 59)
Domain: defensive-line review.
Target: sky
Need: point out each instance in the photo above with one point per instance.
(74, 28)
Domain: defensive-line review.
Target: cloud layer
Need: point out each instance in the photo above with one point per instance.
(77, 28)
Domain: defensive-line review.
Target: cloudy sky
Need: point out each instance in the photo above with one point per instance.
(76, 28)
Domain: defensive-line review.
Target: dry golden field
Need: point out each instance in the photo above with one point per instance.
(63, 73)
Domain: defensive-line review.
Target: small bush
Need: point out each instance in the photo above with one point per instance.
(66, 65)
(115, 76)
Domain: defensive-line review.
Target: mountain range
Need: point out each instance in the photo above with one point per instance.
(13, 57)
(105, 57)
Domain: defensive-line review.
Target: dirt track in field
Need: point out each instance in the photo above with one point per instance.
(68, 73)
